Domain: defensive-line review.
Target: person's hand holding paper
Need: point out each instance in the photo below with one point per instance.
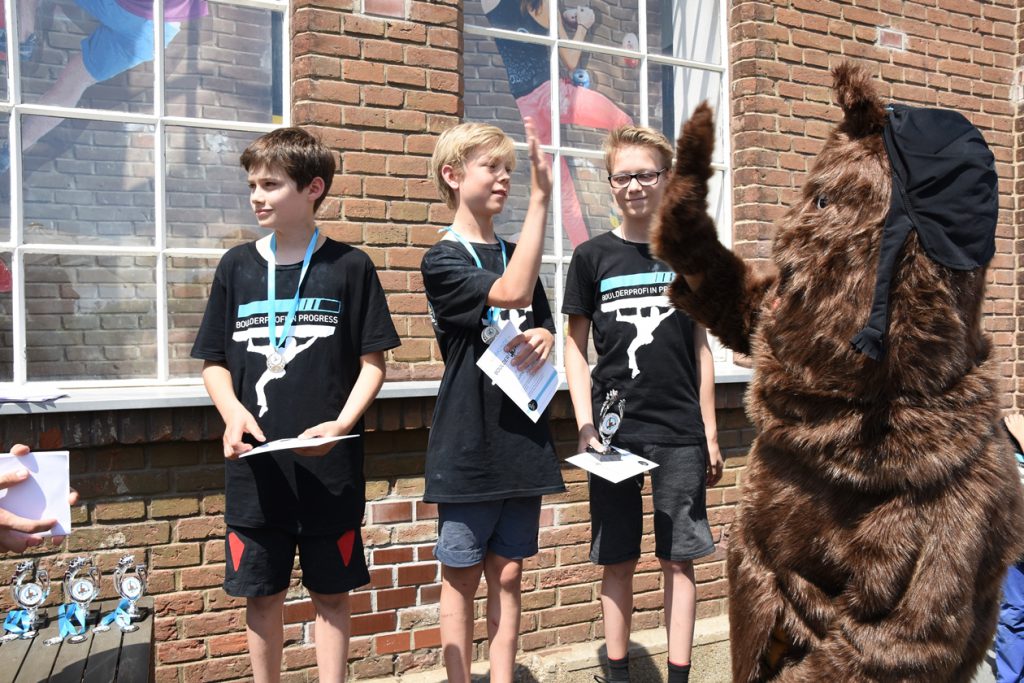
(36, 500)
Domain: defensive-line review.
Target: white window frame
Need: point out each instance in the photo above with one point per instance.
(159, 121)
(725, 370)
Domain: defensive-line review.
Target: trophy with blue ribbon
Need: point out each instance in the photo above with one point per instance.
(30, 588)
(130, 585)
(81, 586)
(612, 411)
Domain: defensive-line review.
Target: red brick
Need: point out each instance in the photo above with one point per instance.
(388, 644)
(416, 574)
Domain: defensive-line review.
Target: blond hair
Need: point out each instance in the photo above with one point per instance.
(636, 136)
(459, 143)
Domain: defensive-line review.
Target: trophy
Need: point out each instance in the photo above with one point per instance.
(612, 411)
(30, 589)
(81, 586)
(130, 586)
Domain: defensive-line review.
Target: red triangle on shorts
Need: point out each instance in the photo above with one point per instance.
(345, 543)
(237, 548)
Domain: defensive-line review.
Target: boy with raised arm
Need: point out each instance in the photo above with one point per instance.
(488, 464)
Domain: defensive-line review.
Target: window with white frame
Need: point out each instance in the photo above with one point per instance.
(119, 179)
(649, 62)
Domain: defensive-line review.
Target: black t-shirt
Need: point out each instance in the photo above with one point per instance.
(645, 347)
(527, 64)
(482, 446)
(342, 315)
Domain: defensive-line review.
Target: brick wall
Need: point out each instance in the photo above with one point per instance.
(152, 484)
(945, 53)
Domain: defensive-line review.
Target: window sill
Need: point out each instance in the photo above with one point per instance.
(92, 399)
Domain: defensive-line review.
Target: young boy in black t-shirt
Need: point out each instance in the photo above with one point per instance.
(488, 464)
(311, 368)
(659, 360)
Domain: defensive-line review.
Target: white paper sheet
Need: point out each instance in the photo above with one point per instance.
(44, 495)
(531, 391)
(614, 471)
(293, 443)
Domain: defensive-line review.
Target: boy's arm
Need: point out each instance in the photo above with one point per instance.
(577, 374)
(237, 420)
(514, 289)
(372, 370)
(706, 389)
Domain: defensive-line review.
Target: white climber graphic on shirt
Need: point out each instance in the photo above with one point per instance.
(516, 316)
(315, 319)
(638, 300)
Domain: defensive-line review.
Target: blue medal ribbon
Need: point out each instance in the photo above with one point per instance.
(492, 312)
(71, 617)
(17, 621)
(272, 291)
(118, 616)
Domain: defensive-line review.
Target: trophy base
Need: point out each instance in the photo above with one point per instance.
(80, 638)
(612, 454)
(129, 628)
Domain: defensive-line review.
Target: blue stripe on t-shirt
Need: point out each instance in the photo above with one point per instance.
(658, 278)
(282, 305)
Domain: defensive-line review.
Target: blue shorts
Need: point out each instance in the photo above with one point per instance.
(468, 531)
(122, 40)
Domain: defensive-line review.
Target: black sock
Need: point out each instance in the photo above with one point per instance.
(678, 673)
(618, 670)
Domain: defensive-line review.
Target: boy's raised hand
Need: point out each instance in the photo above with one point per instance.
(242, 422)
(540, 167)
(534, 347)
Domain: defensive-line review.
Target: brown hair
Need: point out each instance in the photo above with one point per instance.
(636, 136)
(296, 152)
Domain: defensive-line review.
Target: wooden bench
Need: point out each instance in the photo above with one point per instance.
(106, 657)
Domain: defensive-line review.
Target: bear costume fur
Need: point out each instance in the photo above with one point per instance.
(881, 504)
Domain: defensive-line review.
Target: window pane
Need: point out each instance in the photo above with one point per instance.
(673, 94)
(603, 101)
(188, 286)
(508, 15)
(604, 22)
(227, 65)
(490, 89)
(587, 206)
(6, 319)
(92, 54)
(207, 195)
(688, 30)
(3, 57)
(90, 317)
(5, 186)
(91, 184)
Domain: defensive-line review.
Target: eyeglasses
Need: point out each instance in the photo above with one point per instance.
(645, 178)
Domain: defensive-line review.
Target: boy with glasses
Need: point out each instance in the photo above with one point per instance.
(659, 360)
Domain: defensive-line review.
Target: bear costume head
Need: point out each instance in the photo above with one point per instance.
(881, 506)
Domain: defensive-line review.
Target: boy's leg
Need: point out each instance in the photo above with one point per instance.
(682, 534)
(680, 609)
(458, 586)
(333, 619)
(258, 568)
(514, 539)
(264, 629)
(464, 530)
(617, 606)
(616, 527)
(332, 565)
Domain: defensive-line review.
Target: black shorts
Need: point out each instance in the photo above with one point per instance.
(259, 561)
(681, 530)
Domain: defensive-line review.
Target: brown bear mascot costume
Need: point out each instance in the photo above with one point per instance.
(881, 505)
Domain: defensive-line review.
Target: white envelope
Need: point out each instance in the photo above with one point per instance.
(44, 495)
(294, 442)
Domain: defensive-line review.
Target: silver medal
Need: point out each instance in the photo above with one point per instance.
(489, 333)
(275, 362)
